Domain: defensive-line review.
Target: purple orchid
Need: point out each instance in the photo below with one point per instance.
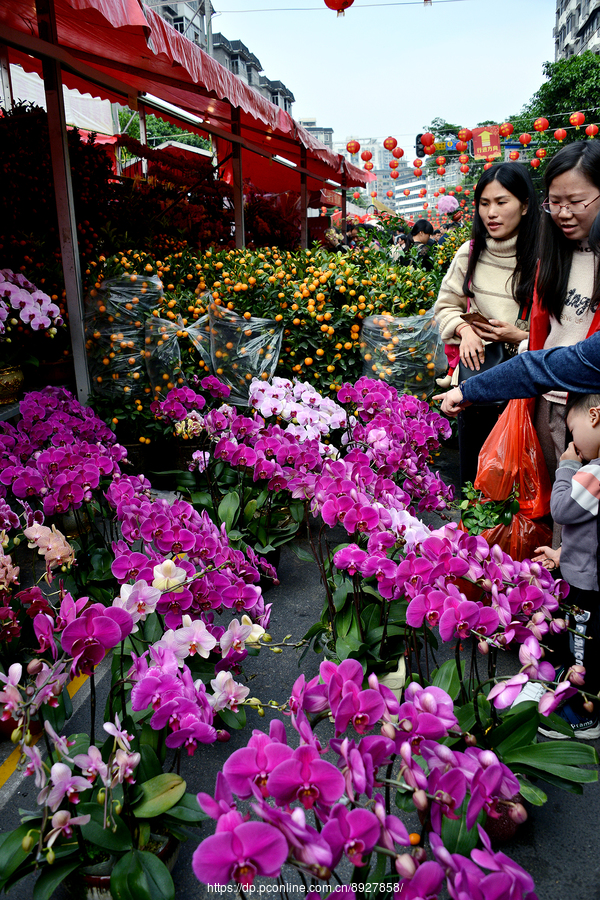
(239, 852)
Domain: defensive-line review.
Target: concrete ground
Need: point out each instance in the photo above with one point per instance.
(558, 844)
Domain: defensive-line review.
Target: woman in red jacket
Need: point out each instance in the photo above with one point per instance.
(566, 305)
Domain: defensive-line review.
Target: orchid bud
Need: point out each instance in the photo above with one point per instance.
(517, 813)
(488, 758)
(470, 739)
(101, 797)
(50, 856)
(421, 800)
(16, 735)
(588, 706)
(276, 650)
(35, 666)
(16, 541)
(28, 738)
(420, 855)
(405, 865)
(117, 807)
(576, 675)
(267, 638)
(388, 730)
(223, 736)
(261, 712)
(483, 647)
(27, 843)
(557, 625)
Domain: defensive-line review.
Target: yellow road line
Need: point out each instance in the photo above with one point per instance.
(9, 766)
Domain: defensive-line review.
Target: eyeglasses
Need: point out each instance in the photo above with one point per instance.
(554, 209)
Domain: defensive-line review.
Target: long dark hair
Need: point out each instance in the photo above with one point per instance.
(555, 251)
(516, 180)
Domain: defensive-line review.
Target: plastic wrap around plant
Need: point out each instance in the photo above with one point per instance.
(405, 352)
(163, 351)
(242, 348)
(115, 319)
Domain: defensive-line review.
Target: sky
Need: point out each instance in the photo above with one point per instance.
(389, 68)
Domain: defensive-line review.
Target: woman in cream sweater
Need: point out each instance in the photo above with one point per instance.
(492, 274)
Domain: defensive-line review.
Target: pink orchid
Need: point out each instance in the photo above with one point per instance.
(306, 777)
(239, 853)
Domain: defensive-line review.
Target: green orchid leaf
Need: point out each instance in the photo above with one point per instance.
(12, 855)
(518, 729)
(563, 761)
(448, 678)
(302, 554)
(114, 841)
(233, 720)
(345, 647)
(159, 794)
(140, 875)
(187, 810)
(228, 508)
(340, 595)
(531, 793)
(50, 879)
(456, 836)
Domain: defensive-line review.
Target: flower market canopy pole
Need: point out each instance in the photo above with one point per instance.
(121, 51)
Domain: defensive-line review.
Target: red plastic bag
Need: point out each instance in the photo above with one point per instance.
(512, 453)
(520, 538)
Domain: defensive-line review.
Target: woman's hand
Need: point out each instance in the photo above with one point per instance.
(452, 402)
(471, 350)
(499, 331)
(547, 557)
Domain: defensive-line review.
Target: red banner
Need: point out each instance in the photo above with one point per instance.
(486, 142)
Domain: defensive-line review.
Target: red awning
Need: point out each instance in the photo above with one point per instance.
(119, 49)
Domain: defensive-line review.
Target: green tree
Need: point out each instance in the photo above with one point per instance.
(158, 130)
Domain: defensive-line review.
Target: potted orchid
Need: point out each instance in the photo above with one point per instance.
(179, 612)
(26, 315)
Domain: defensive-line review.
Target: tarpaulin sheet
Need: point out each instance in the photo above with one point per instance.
(131, 43)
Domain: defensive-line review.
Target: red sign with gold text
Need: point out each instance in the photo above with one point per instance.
(486, 142)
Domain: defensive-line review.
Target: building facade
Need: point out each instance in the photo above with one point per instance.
(577, 27)
(321, 132)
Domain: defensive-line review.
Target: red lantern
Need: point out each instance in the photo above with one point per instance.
(462, 202)
(394, 174)
(393, 164)
(356, 195)
(525, 139)
(425, 205)
(560, 134)
(464, 170)
(373, 193)
(441, 160)
(398, 152)
(441, 170)
(429, 151)
(541, 153)
(339, 5)
(352, 147)
(389, 194)
(442, 190)
(459, 188)
(463, 159)
(591, 130)
(577, 119)
(366, 155)
(422, 192)
(541, 124)
(467, 193)
(406, 192)
(369, 166)
(535, 163)
(506, 129)
(390, 143)
(436, 193)
(418, 163)
(514, 154)
(451, 193)
(465, 134)
(461, 146)
(417, 173)
(488, 166)
(427, 139)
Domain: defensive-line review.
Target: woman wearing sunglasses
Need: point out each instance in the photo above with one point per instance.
(566, 306)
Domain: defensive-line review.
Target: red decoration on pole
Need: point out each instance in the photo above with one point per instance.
(366, 155)
(427, 139)
(389, 194)
(577, 119)
(464, 170)
(393, 164)
(369, 166)
(441, 160)
(418, 163)
(425, 205)
(506, 129)
(488, 166)
(461, 146)
(406, 192)
(430, 150)
(535, 163)
(394, 174)
(356, 195)
(373, 193)
(465, 134)
(353, 147)
(525, 139)
(541, 124)
(398, 152)
(417, 173)
(338, 6)
(560, 134)
(463, 159)
(514, 154)
(441, 170)
(458, 188)
(390, 143)
(541, 153)
(442, 190)
(591, 131)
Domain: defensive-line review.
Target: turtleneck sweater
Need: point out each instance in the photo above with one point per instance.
(491, 286)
